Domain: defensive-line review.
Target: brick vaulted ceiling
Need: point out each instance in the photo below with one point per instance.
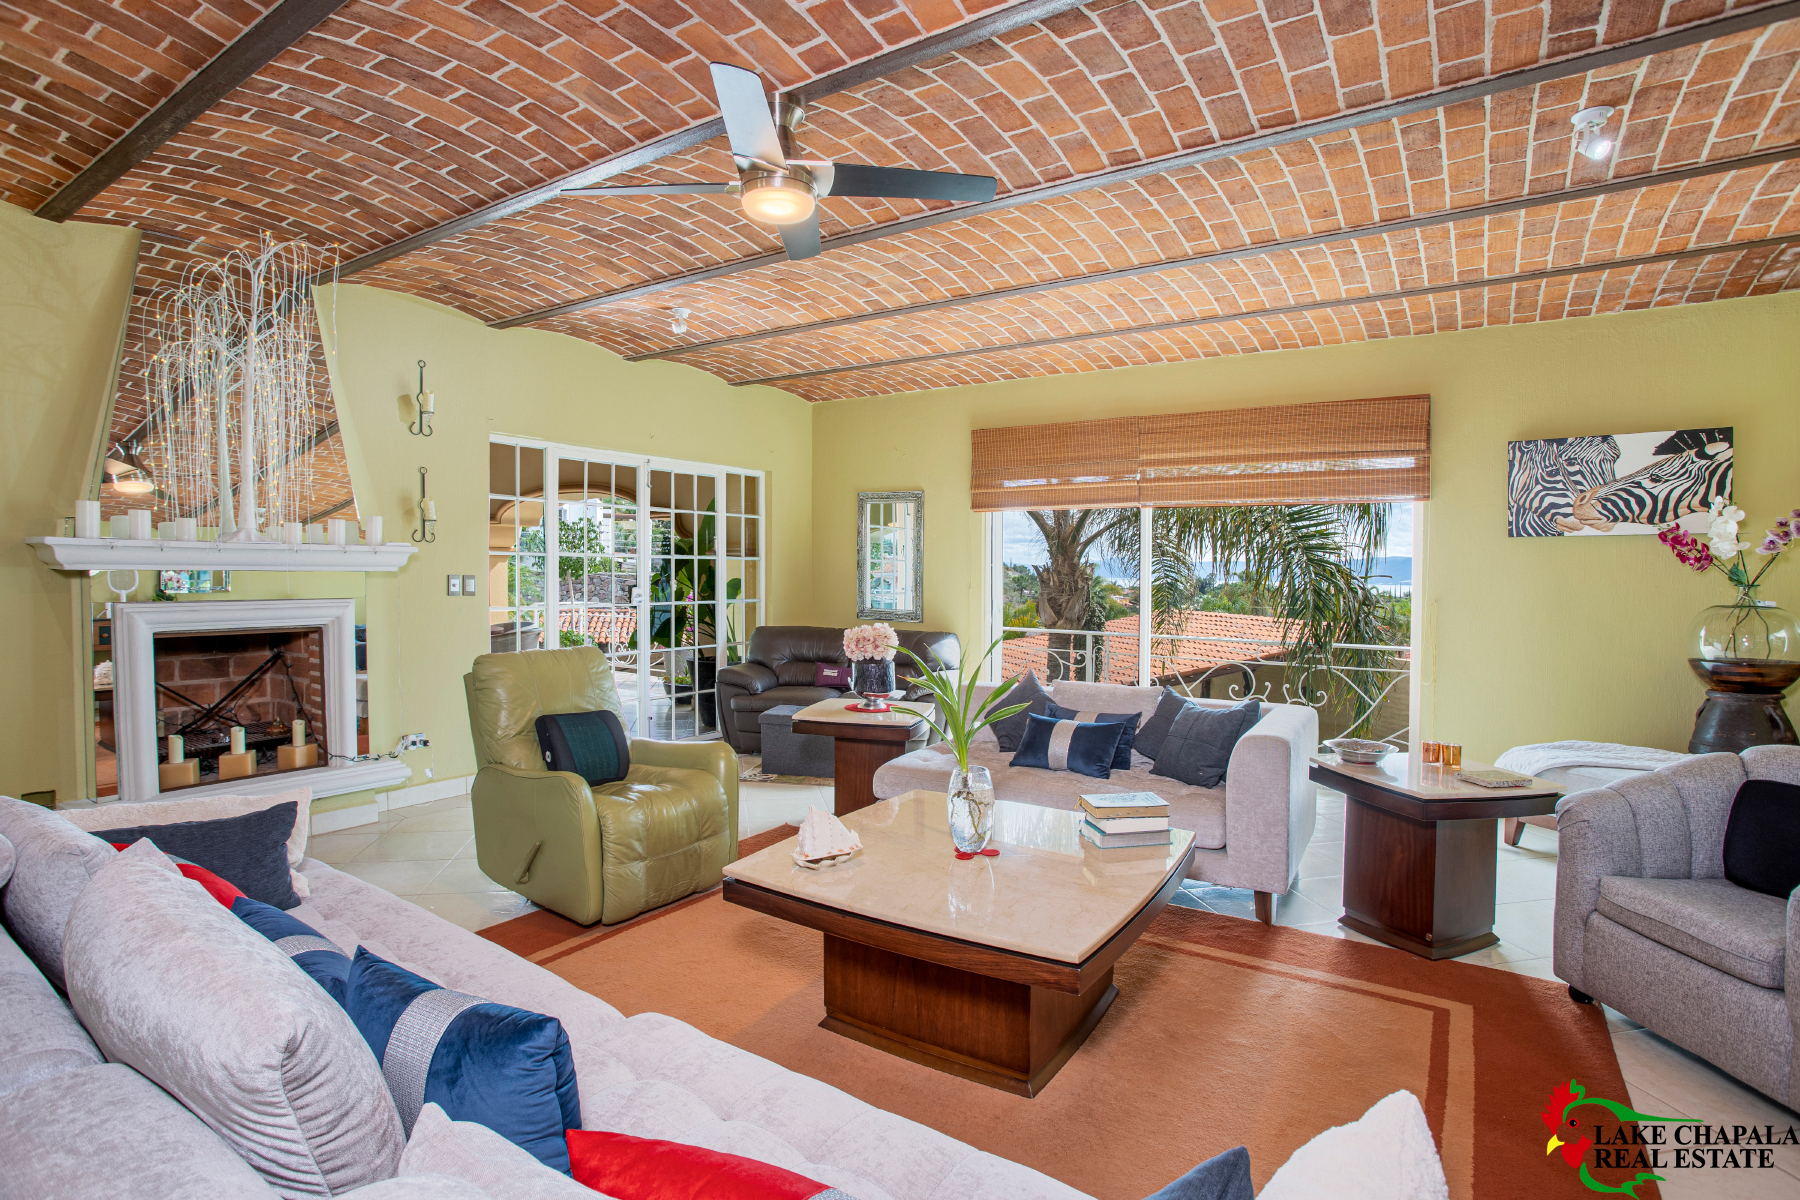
(1178, 178)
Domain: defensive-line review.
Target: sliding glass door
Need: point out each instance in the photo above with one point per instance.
(655, 561)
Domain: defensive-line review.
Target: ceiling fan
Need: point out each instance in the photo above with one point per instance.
(781, 190)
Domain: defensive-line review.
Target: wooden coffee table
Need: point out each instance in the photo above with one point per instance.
(994, 969)
(861, 742)
(1419, 850)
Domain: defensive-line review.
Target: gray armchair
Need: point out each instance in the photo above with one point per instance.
(1647, 922)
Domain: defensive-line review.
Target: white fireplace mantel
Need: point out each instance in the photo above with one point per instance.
(135, 627)
(123, 554)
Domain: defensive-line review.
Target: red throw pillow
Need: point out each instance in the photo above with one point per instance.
(634, 1168)
(221, 891)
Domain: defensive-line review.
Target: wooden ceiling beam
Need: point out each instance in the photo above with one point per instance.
(255, 48)
(1580, 64)
(1629, 183)
(1464, 285)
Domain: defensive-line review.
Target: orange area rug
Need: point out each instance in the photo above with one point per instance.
(1225, 1032)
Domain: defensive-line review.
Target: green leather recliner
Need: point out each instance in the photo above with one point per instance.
(592, 854)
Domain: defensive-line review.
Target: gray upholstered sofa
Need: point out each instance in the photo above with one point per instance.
(1249, 833)
(1647, 922)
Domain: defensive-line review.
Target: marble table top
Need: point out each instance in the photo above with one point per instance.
(838, 711)
(1403, 773)
(1048, 893)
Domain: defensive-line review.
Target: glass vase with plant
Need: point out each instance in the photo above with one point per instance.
(971, 794)
(1748, 629)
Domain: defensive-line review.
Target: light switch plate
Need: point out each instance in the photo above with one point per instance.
(468, 585)
(453, 585)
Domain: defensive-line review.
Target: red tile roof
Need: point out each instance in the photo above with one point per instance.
(1220, 637)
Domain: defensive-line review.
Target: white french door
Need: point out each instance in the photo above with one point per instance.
(659, 562)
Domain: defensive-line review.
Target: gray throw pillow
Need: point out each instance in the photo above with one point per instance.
(54, 863)
(1151, 733)
(1010, 732)
(1198, 748)
(169, 982)
(6, 861)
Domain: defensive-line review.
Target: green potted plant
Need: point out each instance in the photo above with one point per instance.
(971, 793)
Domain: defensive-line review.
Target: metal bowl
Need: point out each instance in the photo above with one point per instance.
(1359, 750)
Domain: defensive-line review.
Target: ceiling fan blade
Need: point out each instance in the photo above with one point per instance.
(801, 239)
(860, 179)
(655, 189)
(745, 107)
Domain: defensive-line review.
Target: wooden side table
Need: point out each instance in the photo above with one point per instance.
(861, 742)
(1420, 848)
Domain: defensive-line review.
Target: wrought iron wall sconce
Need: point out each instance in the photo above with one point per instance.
(426, 401)
(427, 531)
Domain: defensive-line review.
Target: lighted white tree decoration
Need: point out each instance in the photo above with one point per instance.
(236, 373)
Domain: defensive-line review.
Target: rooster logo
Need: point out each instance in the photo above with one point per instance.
(1567, 1136)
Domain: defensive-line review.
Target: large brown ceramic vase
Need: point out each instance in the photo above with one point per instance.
(1749, 655)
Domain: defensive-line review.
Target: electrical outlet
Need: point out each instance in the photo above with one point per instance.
(453, 585)
(414, 741)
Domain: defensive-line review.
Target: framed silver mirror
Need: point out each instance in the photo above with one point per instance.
(890, 556)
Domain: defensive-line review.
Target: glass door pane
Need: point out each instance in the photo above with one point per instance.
(597, 569)
(516, 548)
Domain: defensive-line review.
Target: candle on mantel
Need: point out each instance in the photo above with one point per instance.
(187, 529)
(372, 531)
(87, 518)
(237, 739)
(430, 507)
(177, 748)
(119, 527)
(299, 732)
(138, 524)
(291, 532)
(335, 531)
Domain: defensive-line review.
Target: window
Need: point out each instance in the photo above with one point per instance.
(656, 562)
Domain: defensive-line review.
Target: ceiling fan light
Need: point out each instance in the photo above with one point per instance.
(777, 202)
(135, 486)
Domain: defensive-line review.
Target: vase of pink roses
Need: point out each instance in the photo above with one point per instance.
(870, 649)
(1747, 652)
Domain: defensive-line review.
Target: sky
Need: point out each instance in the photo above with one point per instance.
(1024, 545)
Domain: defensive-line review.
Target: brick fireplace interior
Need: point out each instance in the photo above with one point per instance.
(197, 670)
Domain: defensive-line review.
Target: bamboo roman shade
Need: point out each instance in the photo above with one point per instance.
(1338, 451)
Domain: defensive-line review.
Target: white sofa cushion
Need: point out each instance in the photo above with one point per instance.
(1385, 1154)
(477, 1155)
(39, 1035)
(55, 860)
(167, 981)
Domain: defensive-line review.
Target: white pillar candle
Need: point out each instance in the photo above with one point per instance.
(87, 518)
(187, 529)
(337, 531)
(291, 532)
(299, 732)
(121, 527)
(165, 531)
(430, 507)
(139, 524)
(177, 748)
(315, 535)
(372, 531)
(428, 401)
(237, 739)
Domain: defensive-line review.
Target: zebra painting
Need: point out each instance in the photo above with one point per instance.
(1616, 483)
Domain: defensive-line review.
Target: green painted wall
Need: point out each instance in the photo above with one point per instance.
(63, 290)
(1523, 640)
(532, 384)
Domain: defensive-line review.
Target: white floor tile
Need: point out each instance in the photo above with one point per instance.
(336, 848)
(400, 878)
(461, 875)
(476, 910)
(415, 847)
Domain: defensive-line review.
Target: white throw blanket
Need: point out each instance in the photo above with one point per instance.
(1547, 756)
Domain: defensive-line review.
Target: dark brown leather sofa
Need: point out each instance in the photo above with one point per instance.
(778, 669)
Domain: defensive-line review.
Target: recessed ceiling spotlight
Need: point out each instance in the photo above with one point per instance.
(678, 320)
(1590, 136)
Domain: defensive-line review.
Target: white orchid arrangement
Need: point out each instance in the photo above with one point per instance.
(1722, 551)
(867, 642)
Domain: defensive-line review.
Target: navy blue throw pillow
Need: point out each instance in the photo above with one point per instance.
(493, 1064)
(248, 852)
(1198, 748)
(1223, 1177)
(1082, 747)
(1122, 756)
(591, 744)
(1010, 731)
(312, 952)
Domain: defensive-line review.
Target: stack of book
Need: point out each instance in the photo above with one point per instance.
(1125, 819)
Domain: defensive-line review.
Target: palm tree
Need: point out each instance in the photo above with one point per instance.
(1297, 561)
